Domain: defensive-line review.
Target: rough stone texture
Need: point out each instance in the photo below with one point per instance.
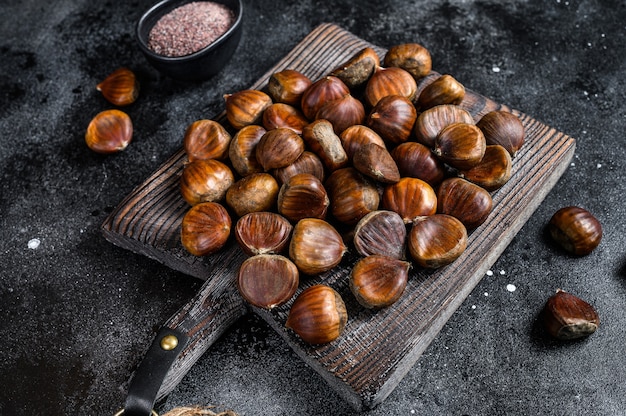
(77, 312)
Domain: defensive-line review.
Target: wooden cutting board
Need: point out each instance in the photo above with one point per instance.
(378, 348)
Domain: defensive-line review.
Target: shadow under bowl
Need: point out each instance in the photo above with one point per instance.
(199, 65)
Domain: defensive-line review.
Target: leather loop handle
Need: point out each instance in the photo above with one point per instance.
(145, 385)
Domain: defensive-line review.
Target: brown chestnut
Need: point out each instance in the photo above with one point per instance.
(460, 145)
(242, 150)
(320, 92)
(308, 162)
(358, 68)
(120, 87)
(206, 139)
(342, 113)
(437, 240)
(417, 161)
(255, 192)
(110, 131)
(284, 115)
(267, 280)
(205, 228)
(393, 118)
(493, 171)
(378, 281)
(316, 246)
(352, 195)
(566, 316)
(321, 138)
(576, 230)
(278, 148)
(287, 86)
(389, 81)
(503, 128)
(246, 107)
(468, 202)
(411, 198)
(263, 232)
(380, 232)
(205, 181)
(375, 162)
(356, 136)
(303, 196)
(430, 122)
(444, 90)
(412, 57)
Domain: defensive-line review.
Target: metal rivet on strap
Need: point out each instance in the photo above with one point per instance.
(169, 342)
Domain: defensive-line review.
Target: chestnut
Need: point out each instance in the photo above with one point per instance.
(430, 122)
(352, 195)
(110, 131)
(242, 150)
(393, 118)
(358, 68)
(411, 198)
(566, 316)
(206, 139)
(437, 240)
(120, 87)
(205, 228)
(468, 202)
(263, 232)
(205, 181)
(503, 128)
(246, 107)
(287, 86)
(267, 280)
(412, 57)
(378, 281)
(284, 115)
(375, 162)
(278, 148)
(320, 92)
(255, 192)
(303, 196)
(380, 232)
(389, 81)
(342, 112)
(417, 161)
(460, 145)
(315, 246)
(321, 138)
(576, 230)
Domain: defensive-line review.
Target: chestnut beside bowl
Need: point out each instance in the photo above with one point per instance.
(197, 66)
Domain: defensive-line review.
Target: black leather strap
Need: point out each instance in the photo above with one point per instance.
(148, 378)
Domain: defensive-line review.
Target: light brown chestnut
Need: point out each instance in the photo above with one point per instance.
(389, 81)
(267, 280)
(284, 115)
(468, 202)
(206, 139)
(503, 128)
(460, 145)
(412, 57)
(120, 87)
(110, 131)
(308, 162)
(437, 240)
(205, 181)
(242, 150)
(315, 246)
(303, 196)
(287, 86)
(411, 198)
(352, 195)
(343, 112)
(375, 162)
(443, 90)
(321, 138)
(566, 316)
(205, 228)
(318, 315)
(320, 92)
(263, 232)
(255, 192)
(576, 230)
(246, 107)
(378, 281)
(417, 161)
(380, 232)
(279, 148)
(355, 136)
(358, 68)
(493, 171)
(430, 122)
(393, 118)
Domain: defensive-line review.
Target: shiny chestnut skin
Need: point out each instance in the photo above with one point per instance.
(418, 161)
(246, 107)
(393, 118)
(267, 280)
(567, 317)
(206, 139)
(412, 57)
(389, 81)
(320, 92)
(205, 228)
(468, 202)
(378, 281)
(120, 87)
(576, 230)
(205, 181)
(263, 232)
(287, 86)
(110, 131)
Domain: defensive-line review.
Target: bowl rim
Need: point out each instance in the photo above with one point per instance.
(159, 9)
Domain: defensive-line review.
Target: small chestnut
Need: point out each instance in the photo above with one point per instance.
(120, 87)
(316, 246)
(566, 316)
(378, 281)
(246, 107)
(380, 232)
(576, 230)
(205, 228)
(437, 240)
(110, 131)
(263, 232)
(267, 280)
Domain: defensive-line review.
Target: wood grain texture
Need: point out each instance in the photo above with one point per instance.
(377, 348)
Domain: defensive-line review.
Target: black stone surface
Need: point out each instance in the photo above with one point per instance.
(77, 312)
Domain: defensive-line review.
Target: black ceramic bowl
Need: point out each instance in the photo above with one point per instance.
(199, 65)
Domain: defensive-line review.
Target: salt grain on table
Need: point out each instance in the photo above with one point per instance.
(190, 28)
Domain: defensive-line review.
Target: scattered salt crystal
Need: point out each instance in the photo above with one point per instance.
(489, 273)
(33, 244)
(473, 306)
(502, 272)
(510, 287)
(486, 294)
(599, 165)
(495, 69)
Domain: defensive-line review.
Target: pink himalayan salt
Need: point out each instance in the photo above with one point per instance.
(190, 28)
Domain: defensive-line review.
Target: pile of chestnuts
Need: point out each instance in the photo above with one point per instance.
(377, 153)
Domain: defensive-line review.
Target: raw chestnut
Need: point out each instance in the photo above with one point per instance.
(393, 118)
(303, 196)
(267, 280)
(437, 240)
(412, 57)
(206, 139)
(308, 162)
(287, 86)
(205, 228)
(315, 246)
(430, 122)
(493, 171)
(255, 192)
(110, 131)
(242, 150)
(358, 68)
(246, 107)
(356, 136)
(318, 315)
(321, 138)
(468, 202)
(380, 232)
(342, 112)
(417, 161)
(387, 81)
(460, 145)
(205, 181)
(576, 230)
(279, 148)
(352, 195)
(375, 162)
(411, 198)
(566, 316)
(325, 89)
(378, 281)
(263, 232)
(444, 90)
(503, 128)
(284, 115)
(120, 87)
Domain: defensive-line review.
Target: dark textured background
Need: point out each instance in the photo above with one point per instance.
(77, 312)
